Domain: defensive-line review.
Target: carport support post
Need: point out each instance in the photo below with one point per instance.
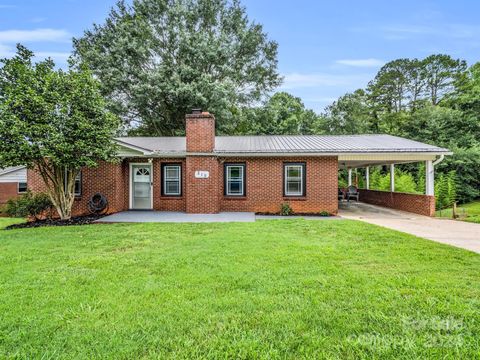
(349, 177)
(429, 178)
(367, 177)
(392, 177)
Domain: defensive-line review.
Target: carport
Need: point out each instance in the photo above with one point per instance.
(390, 151)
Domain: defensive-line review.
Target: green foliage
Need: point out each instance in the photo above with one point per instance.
(324, 213)
(281, 114)
(53, 121)
(466, 163)
(404, 181)
(469, 212)
(158, 59)
(446, 190)
(350, 114)
(286, 209)
(342, 179)
(29, 205)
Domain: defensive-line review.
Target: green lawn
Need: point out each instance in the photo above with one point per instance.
(4, 222)
(270, 289)
(467, 212)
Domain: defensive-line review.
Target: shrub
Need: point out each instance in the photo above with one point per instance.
(324, 213)
(286, 210)
(29, 205)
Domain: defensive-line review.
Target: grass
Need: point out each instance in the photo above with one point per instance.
(468, 212)
(270, 289)
(5, 221)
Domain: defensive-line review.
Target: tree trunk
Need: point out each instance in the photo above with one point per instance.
(60, 184)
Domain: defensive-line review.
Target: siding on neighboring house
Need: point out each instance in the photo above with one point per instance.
(9, 179)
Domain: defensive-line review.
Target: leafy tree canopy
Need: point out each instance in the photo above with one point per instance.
(158, 59)
(55, 122)
(282, 114)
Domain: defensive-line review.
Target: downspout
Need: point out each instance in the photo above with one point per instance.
(439, 160)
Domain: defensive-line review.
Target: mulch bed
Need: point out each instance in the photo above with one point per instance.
(294, 214)
(79, 220)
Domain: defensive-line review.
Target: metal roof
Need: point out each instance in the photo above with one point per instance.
(279, 144)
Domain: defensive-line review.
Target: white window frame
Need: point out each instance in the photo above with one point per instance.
(18, 187)
(78, 178)
(301, 178)
(241, 179)
(165, 179)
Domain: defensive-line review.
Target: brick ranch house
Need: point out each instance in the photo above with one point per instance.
(204, 173)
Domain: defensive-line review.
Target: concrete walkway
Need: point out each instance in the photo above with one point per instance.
(176, 217)
(456, 233)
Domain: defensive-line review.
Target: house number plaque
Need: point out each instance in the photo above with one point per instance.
(202, 174)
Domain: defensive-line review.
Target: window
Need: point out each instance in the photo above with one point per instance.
(235, 179)
(294, 179)
(78, 184)
(172, 180)
(22, 187)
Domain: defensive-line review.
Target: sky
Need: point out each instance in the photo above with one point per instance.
(326, 48)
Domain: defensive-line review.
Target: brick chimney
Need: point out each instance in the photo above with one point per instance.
(202, 166)
(200, 130)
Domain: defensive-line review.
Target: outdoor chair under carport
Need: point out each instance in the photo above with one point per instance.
(352, 193)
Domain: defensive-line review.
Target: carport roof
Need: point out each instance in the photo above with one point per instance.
(286, 144)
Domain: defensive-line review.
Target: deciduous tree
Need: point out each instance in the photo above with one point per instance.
(54, 122)
(158, 59)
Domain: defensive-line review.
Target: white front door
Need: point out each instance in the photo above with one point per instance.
(141, 186)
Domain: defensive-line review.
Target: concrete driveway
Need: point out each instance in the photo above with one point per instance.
(456, 233)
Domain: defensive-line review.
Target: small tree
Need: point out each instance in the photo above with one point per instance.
(441, 192)
(54, 122)
(452, 187)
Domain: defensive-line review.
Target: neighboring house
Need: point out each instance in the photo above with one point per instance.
(13, 182)
(204, 173)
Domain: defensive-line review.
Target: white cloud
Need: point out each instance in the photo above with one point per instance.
(57, 56)
(297, 80)
(36, 35)
(371, 62)
(6, 51)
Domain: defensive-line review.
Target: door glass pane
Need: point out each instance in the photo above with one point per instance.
(141, 187)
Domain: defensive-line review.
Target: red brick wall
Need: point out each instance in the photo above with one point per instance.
(264, 186)
(8, 191)
(160, 203)
(200, 131)
(203, 195)
(418, 204)
(106, 179)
